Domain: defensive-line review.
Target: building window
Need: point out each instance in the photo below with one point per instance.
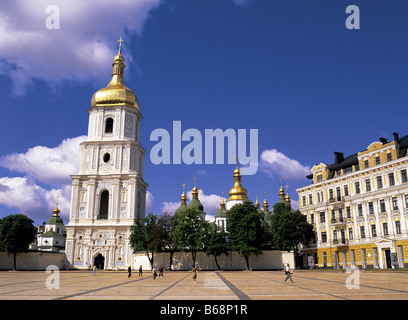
(368, 185)
(322, 217)
(346, 191)
(373, 230)
(391, 178)
(379, 182)
(389, 157)
(394, 203)
(324, 237)
(348, 210)
(360, 210)
(331, 194)
(406, 201)
(338, 193)
(310, 199)
(319, 178)
(109, 125)
(347, 170)
(104, 205)
(312, 218)
(371, 208)
(382, 205)
(377, 160)
(304, 200)
(351, 235)
(385, 228)
(362, 232)
(398, 227)
(404, 177)
(357, 184)
(366, 165)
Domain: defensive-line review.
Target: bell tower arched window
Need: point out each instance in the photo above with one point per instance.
(104, 205)
(109, 125)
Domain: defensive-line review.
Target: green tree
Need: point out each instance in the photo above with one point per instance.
(191, 232)
(216, 243)
(289, 228)
(163, 234)
(246, 233)
(142, 238)
(16, 233)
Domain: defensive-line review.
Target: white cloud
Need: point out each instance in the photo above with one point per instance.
(82, 48)
(33, 200)
(48, 165)
(275, 163)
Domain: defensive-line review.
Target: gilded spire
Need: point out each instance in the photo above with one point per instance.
(195, 190)
(287, 198)
(222, 204)
(281, 191)
(183, 195)
(257, 205)
(238, 192)
(265, 204)
(56, 210)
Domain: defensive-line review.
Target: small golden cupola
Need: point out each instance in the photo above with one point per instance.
(265, 204)
(238, 192)
(281, 191)
(116, 93)
(287, 198)
(257, 205)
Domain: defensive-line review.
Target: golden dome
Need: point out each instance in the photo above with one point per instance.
(115, 93)
(238, 192)
(281, 191)
(265, 204)
(257, 205)
(183, 195)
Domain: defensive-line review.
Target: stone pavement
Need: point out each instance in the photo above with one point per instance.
(210, 285)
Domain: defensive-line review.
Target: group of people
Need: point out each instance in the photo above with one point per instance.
(288, 272)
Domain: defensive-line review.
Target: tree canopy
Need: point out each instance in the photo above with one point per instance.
(16, 233)
(246, 233)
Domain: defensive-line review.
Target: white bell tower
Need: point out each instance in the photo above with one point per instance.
(109, 192)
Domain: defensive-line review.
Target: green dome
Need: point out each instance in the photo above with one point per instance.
(55, 220)
(181, 209)
(221, 213)
(195, 204)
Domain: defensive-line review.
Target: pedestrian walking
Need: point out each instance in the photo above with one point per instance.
(94, 270)
(129, 271)
(288, 272)
(154, 272)
(140, 271)
(161, 270)
(194, 274)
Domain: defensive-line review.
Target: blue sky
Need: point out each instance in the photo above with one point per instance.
(290, 69)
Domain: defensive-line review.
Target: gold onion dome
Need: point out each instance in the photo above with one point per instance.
(116, 93)
(238, 192)
(222, 212)
(265, 204)
(281, 191)
(195, 202)
(183, 205)
(287, 198)
(55, 217)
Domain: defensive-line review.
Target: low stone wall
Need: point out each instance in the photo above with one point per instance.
(269, 260)
(35, 260)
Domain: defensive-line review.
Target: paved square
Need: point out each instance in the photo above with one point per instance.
(210, 285)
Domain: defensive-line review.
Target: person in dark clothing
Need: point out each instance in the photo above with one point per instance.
(129, 271)
(140, 271)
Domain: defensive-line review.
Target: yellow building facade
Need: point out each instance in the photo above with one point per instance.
(359, 208)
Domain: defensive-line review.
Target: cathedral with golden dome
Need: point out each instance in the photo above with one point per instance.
(237, 195)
